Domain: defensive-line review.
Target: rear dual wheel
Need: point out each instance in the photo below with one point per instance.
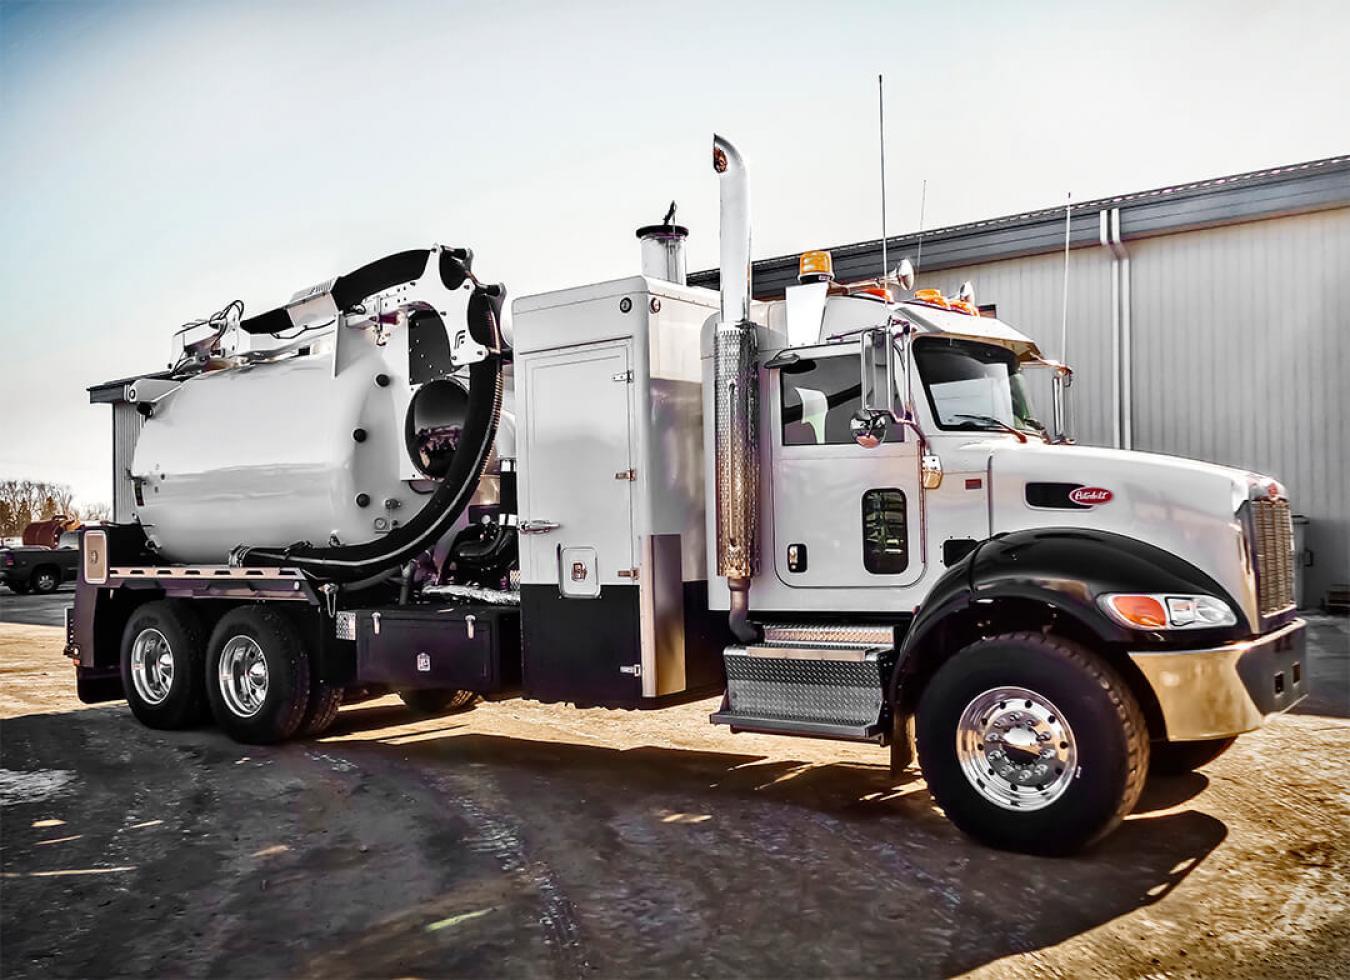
(258, 676)
(161, 660)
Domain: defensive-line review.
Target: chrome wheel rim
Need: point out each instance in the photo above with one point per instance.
(243, 676)
(45, 581)
(1016, 748)
(151, 666)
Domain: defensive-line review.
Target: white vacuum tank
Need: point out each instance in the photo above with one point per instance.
(328, 444)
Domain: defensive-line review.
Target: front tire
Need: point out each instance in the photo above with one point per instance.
(1179, 758)
(1032, 743)
(257, 675)
(438, 702)
(162, 665)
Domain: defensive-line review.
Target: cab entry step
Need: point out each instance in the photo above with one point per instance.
(834, 687)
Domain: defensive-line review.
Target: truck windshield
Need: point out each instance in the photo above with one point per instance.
(974, 386)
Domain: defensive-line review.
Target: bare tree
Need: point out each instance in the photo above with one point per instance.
(24, 501)
(93, 513)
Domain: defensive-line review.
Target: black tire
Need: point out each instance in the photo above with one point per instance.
(184, 703)
(438, 702)
(324, 701)
(18, 588)
(1179, 758)
(45, 580)
(285, 667)
(1108, 729)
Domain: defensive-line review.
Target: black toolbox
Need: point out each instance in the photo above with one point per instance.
(470, 648)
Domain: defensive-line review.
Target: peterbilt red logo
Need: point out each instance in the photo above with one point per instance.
(1091, 496)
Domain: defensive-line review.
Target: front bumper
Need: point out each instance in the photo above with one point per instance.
(1230, 689)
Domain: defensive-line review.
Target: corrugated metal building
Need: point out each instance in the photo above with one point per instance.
(1209, 320)
(126, 429)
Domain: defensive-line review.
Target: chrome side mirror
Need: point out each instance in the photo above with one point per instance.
(869, 427)
(930, 466)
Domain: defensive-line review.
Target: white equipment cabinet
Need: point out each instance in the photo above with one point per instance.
(612, 551)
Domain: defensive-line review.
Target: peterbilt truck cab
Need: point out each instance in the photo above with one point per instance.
(1044, 596)
(836, 509)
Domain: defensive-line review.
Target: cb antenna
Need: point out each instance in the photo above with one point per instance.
(881, 126)
(923, 203)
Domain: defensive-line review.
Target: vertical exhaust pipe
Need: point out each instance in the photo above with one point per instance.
(736, 400)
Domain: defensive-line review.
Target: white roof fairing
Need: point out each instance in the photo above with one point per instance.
(991, 330)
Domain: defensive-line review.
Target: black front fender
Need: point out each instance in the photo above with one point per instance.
(1068, 570)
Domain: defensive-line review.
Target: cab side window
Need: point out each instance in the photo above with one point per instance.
(885, 531)
(819, 397)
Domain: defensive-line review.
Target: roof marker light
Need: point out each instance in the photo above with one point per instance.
(815, 266)
(932, 297)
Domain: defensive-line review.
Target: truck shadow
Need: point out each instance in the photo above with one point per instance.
(868, 840)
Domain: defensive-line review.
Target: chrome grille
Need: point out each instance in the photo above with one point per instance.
(1272, 534)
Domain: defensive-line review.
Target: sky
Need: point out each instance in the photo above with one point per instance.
(159, 159)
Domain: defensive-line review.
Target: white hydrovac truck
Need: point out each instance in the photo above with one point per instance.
(836, 509)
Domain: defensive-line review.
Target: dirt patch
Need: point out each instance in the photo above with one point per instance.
(538, 840)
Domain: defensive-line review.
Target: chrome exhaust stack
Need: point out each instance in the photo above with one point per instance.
(736, 400)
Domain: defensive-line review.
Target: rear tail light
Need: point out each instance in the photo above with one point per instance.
(95, 545)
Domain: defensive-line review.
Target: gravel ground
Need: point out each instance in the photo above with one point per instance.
(536, 840)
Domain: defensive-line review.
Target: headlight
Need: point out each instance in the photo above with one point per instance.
(1167, 612)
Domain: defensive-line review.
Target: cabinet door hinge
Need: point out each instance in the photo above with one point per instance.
(623, 376)
(630, 475)
(634, 669)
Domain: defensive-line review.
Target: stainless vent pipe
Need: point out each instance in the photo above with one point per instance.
(736, 399)
(663, 249)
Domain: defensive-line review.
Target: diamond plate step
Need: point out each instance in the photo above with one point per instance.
(831, 690)
(830, 635)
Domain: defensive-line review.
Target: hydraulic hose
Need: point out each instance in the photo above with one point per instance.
(351, 563)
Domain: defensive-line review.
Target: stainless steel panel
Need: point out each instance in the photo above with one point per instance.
(661, 615)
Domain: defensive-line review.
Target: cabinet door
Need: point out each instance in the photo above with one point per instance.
(577, 454)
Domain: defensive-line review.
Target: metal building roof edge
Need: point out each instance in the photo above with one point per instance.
(1296, 188)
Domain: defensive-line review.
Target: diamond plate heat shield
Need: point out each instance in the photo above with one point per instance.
(837, 692)
(737, 448)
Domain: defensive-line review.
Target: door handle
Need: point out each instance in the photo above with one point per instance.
(537, 527)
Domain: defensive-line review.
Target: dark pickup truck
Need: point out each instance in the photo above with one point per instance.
(34, 569)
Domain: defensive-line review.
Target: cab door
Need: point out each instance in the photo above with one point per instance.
(843, 516)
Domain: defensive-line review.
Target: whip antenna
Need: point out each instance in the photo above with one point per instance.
(881, 126)
(1064, 321)
(923, 203)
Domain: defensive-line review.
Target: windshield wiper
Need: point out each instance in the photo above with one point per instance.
(990, 420)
